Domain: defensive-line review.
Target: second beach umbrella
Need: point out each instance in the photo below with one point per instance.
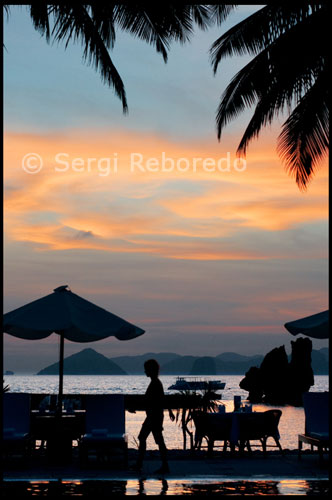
(315, 326)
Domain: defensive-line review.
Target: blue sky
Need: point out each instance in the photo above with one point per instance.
(47, 88)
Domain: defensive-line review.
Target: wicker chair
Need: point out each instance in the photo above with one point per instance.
(213, 427)
(259, 427)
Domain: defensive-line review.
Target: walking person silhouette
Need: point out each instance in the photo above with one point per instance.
(154, 404)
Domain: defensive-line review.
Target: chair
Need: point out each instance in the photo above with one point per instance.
(316, 430)
(259, 427)
(104, 427)
(237, 429)
(16, 424)
(213, 427)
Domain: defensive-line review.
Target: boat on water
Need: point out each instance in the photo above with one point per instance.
(196, 384)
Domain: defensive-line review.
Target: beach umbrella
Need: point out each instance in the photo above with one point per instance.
(72, 317)
(315, 326)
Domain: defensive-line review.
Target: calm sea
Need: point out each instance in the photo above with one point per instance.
(291, 423)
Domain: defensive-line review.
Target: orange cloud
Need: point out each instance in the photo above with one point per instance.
(178, 215)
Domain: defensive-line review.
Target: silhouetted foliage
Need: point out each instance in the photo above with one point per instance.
(5, 388)
(287, 73)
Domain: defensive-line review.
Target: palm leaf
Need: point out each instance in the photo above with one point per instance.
(159, 26)
(304, 139)
(287, 67)
(220, 12)
(102, 16)
(258, 31)
(201, 15)
(39, 12)
(283, 82)
(73, 22)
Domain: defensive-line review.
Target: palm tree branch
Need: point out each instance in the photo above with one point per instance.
(220, 12)
(277, 71)
(201, 16)
(140, 24)
(39, 12)
(304, 139)
(157, 26)
(280, 94)
(260, 29)
(73, 21)
(103, 18)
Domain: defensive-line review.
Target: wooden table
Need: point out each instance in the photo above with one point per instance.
(58, 431)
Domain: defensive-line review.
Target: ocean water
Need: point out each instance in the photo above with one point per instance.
(291, 422)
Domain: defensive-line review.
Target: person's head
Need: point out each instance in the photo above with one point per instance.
(151, 368)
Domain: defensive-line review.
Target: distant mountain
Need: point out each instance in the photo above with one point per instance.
(179, 366)
(238, 368)
(206, 365)
(233, 357)
(134, 365)
(90, 362)
(86, 362)
(320, 362)
(230, 364)
(325, 352)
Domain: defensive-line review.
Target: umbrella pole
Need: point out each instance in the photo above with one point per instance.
(62, 344)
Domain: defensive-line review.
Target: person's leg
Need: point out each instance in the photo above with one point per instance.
(159, 439)
(142, 437)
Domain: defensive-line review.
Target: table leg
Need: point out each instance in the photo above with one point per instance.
(59, 449)
(300, 449)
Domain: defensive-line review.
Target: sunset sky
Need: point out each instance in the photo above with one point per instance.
(205, 261)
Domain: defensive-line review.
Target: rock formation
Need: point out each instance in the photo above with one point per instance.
(278, 381)
(300, 374)
(252, 384)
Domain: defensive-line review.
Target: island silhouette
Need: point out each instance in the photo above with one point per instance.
(90, 362)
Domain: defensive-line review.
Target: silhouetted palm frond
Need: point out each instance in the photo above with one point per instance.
(5, 388)
(201, 15)
(95, 25)
(304, 139)
(39, 13)
(289, 44)
(220, 12)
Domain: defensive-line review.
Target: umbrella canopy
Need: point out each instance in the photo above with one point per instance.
(315, 326)
(69, 315)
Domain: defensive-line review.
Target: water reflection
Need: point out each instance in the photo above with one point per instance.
(149, 487)
(109, 488)
(233, 488)
(302, 487)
